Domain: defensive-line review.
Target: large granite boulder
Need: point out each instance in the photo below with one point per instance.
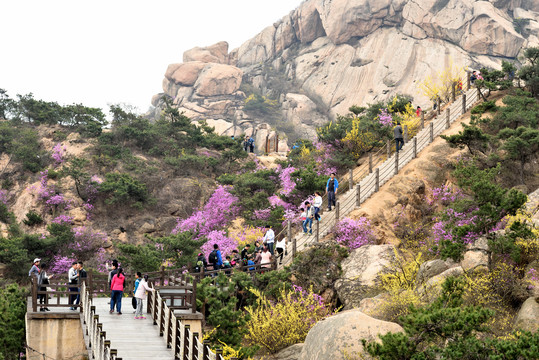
(185, 74)
(361, 272)
(339, 336)
(216, 53)
(528, 316)
(218, 79)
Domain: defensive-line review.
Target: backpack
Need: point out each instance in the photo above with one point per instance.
(213, 257)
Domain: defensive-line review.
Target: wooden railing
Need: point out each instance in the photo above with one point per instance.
(57, 289)
(381, 167)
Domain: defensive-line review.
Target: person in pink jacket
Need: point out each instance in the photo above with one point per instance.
(140, 296)
(117, 288)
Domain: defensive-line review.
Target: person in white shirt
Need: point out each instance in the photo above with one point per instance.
(140, 296)
(317, 204)
(269, 238)
(280, 246)
(73, 276)
(309, 213)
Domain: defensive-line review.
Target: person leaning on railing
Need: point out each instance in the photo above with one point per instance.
(43, 279)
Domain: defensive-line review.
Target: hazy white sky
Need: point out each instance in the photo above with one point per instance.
(115, 51)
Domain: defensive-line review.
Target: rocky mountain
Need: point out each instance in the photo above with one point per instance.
(327, 55)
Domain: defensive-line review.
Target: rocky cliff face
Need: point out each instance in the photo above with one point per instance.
(327, 55)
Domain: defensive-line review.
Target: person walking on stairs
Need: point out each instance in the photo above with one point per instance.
(309, 214)
(140, 296)
(331, 189)
(269, 238)
(399, 139)
(317, 203)
(117, 288)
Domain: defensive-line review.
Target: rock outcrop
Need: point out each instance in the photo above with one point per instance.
(361, 272)
(339, 336)
(528, 316)
(325, 56)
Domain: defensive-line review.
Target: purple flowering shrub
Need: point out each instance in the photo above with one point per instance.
(444, 195)
(354, 233)
(60, 264)
(50, 196)
(226, 244)
(58, 154)
(220, 209)
(287, 183)
(384, 118)
(3, 196)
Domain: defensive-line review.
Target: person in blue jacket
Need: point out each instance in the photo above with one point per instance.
(331, 189)
(215, 258)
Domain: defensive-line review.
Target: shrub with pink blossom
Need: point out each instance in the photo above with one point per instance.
(444, 195)
(58, 154)
(49, 195)
(262, 214)
(3, 196)
(226, 244)
(61, 264)
(218, 211)
(384, 118)
(63, 220)
(86, 242)
(287, 183)
(354, 233)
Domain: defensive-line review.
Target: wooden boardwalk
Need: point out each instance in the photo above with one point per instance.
(371, 183)
(134, 339)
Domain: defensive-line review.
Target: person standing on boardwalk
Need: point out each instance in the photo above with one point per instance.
(317, 203)
(73, 277)
(399, 139)
(331, 189)
(280, 246)
(215, 257)
(265, 258)
(269, 238)
(34, 270)
(117, 289)
(82, 277)
(251, 144)
(140, 296)
(43, 281)
(309, 214)
(418, 111)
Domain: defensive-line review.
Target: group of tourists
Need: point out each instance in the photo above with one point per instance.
(249, 144)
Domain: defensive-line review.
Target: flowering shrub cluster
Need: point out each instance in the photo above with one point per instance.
(216, 214)
(61, 264)
(325, 154)
(63, 220)
(58, 154)
(226, 244)
(276, 325)
(445, 195)
(288, 185)
(354, 233)
(454, 227)
(384, 118)
(92, 190)
(3, 196)
(247, 235)
(49, 195)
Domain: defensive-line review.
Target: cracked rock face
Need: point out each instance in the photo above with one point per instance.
(339, 53)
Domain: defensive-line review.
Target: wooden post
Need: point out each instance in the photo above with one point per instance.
(267, 144)
(338, 210)
(218, 354)
(453, 91)
(358, 195)
(276, 142)
(288, 233)
(468, 83)
(178, 342)
(162, 318)
(447, 118)
(388, 146)
(351, 179)
(405, 134)
(317, 231)
(370, 163)
(397, 162)
(377, 179)
(195, 346)
(415, 147)
(34, 293)
(194, 296)
(186, 342)
(431, 131)
(205, 350)
(162, 276)
(463, 103)
(294, 247)
(422, 120)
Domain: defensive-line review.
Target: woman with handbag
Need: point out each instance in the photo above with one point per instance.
(43, 279)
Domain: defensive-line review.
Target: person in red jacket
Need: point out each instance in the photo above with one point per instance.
(117, 288)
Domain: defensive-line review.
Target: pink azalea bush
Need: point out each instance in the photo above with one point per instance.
(63, 220)
(58, 154)
(3, 197)
(61, 264)
(288, 185)
(444, 194)
(218, 211)
(442, 230)
(384, 118)
(324, 154)
(86, 242)
(226, 244)
(354, 233)
(49, 195)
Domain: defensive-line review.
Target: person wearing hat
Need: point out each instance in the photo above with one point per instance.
(35, 268)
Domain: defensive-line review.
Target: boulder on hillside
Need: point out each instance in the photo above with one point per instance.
(216, 53)
(361, 272)
(258, 49)
(290, 353)
(308, 23)
(433, 286)
(432, 268)
(528, 316)
(185, 74)
(339, 336)
(218, 79)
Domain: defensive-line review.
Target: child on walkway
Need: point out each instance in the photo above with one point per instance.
(140, 295)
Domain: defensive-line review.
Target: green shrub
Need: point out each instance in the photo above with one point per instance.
(484, 107)
(5, 215)
(124, 188)
(32, 218)
(13, 309)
